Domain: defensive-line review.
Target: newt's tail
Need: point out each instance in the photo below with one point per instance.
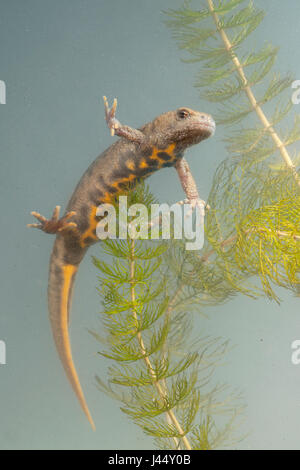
(61, 279)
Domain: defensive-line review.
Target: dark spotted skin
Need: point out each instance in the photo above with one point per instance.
(122, 164)
(135, 156)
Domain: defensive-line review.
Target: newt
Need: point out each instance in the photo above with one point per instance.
(134, 156)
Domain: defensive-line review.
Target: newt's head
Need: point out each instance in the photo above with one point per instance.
(184, 127)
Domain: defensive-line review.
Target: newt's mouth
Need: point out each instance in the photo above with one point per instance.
(209, 126)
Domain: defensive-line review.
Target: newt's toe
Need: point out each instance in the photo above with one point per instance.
(110, 114)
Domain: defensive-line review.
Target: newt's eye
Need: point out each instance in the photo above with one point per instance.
(183, 113)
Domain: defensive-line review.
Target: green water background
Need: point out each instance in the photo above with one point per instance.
(58, 58)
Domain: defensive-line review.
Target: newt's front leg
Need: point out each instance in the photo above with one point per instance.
(134, 135)
(189, 185)
(55, 224)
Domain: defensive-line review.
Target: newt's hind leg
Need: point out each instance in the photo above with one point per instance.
(55, 224)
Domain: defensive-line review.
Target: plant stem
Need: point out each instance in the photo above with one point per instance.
(257, 108)
(170, 414)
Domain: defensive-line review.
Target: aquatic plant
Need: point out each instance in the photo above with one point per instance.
(253, 227)
(150, 290)
(159, 367)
